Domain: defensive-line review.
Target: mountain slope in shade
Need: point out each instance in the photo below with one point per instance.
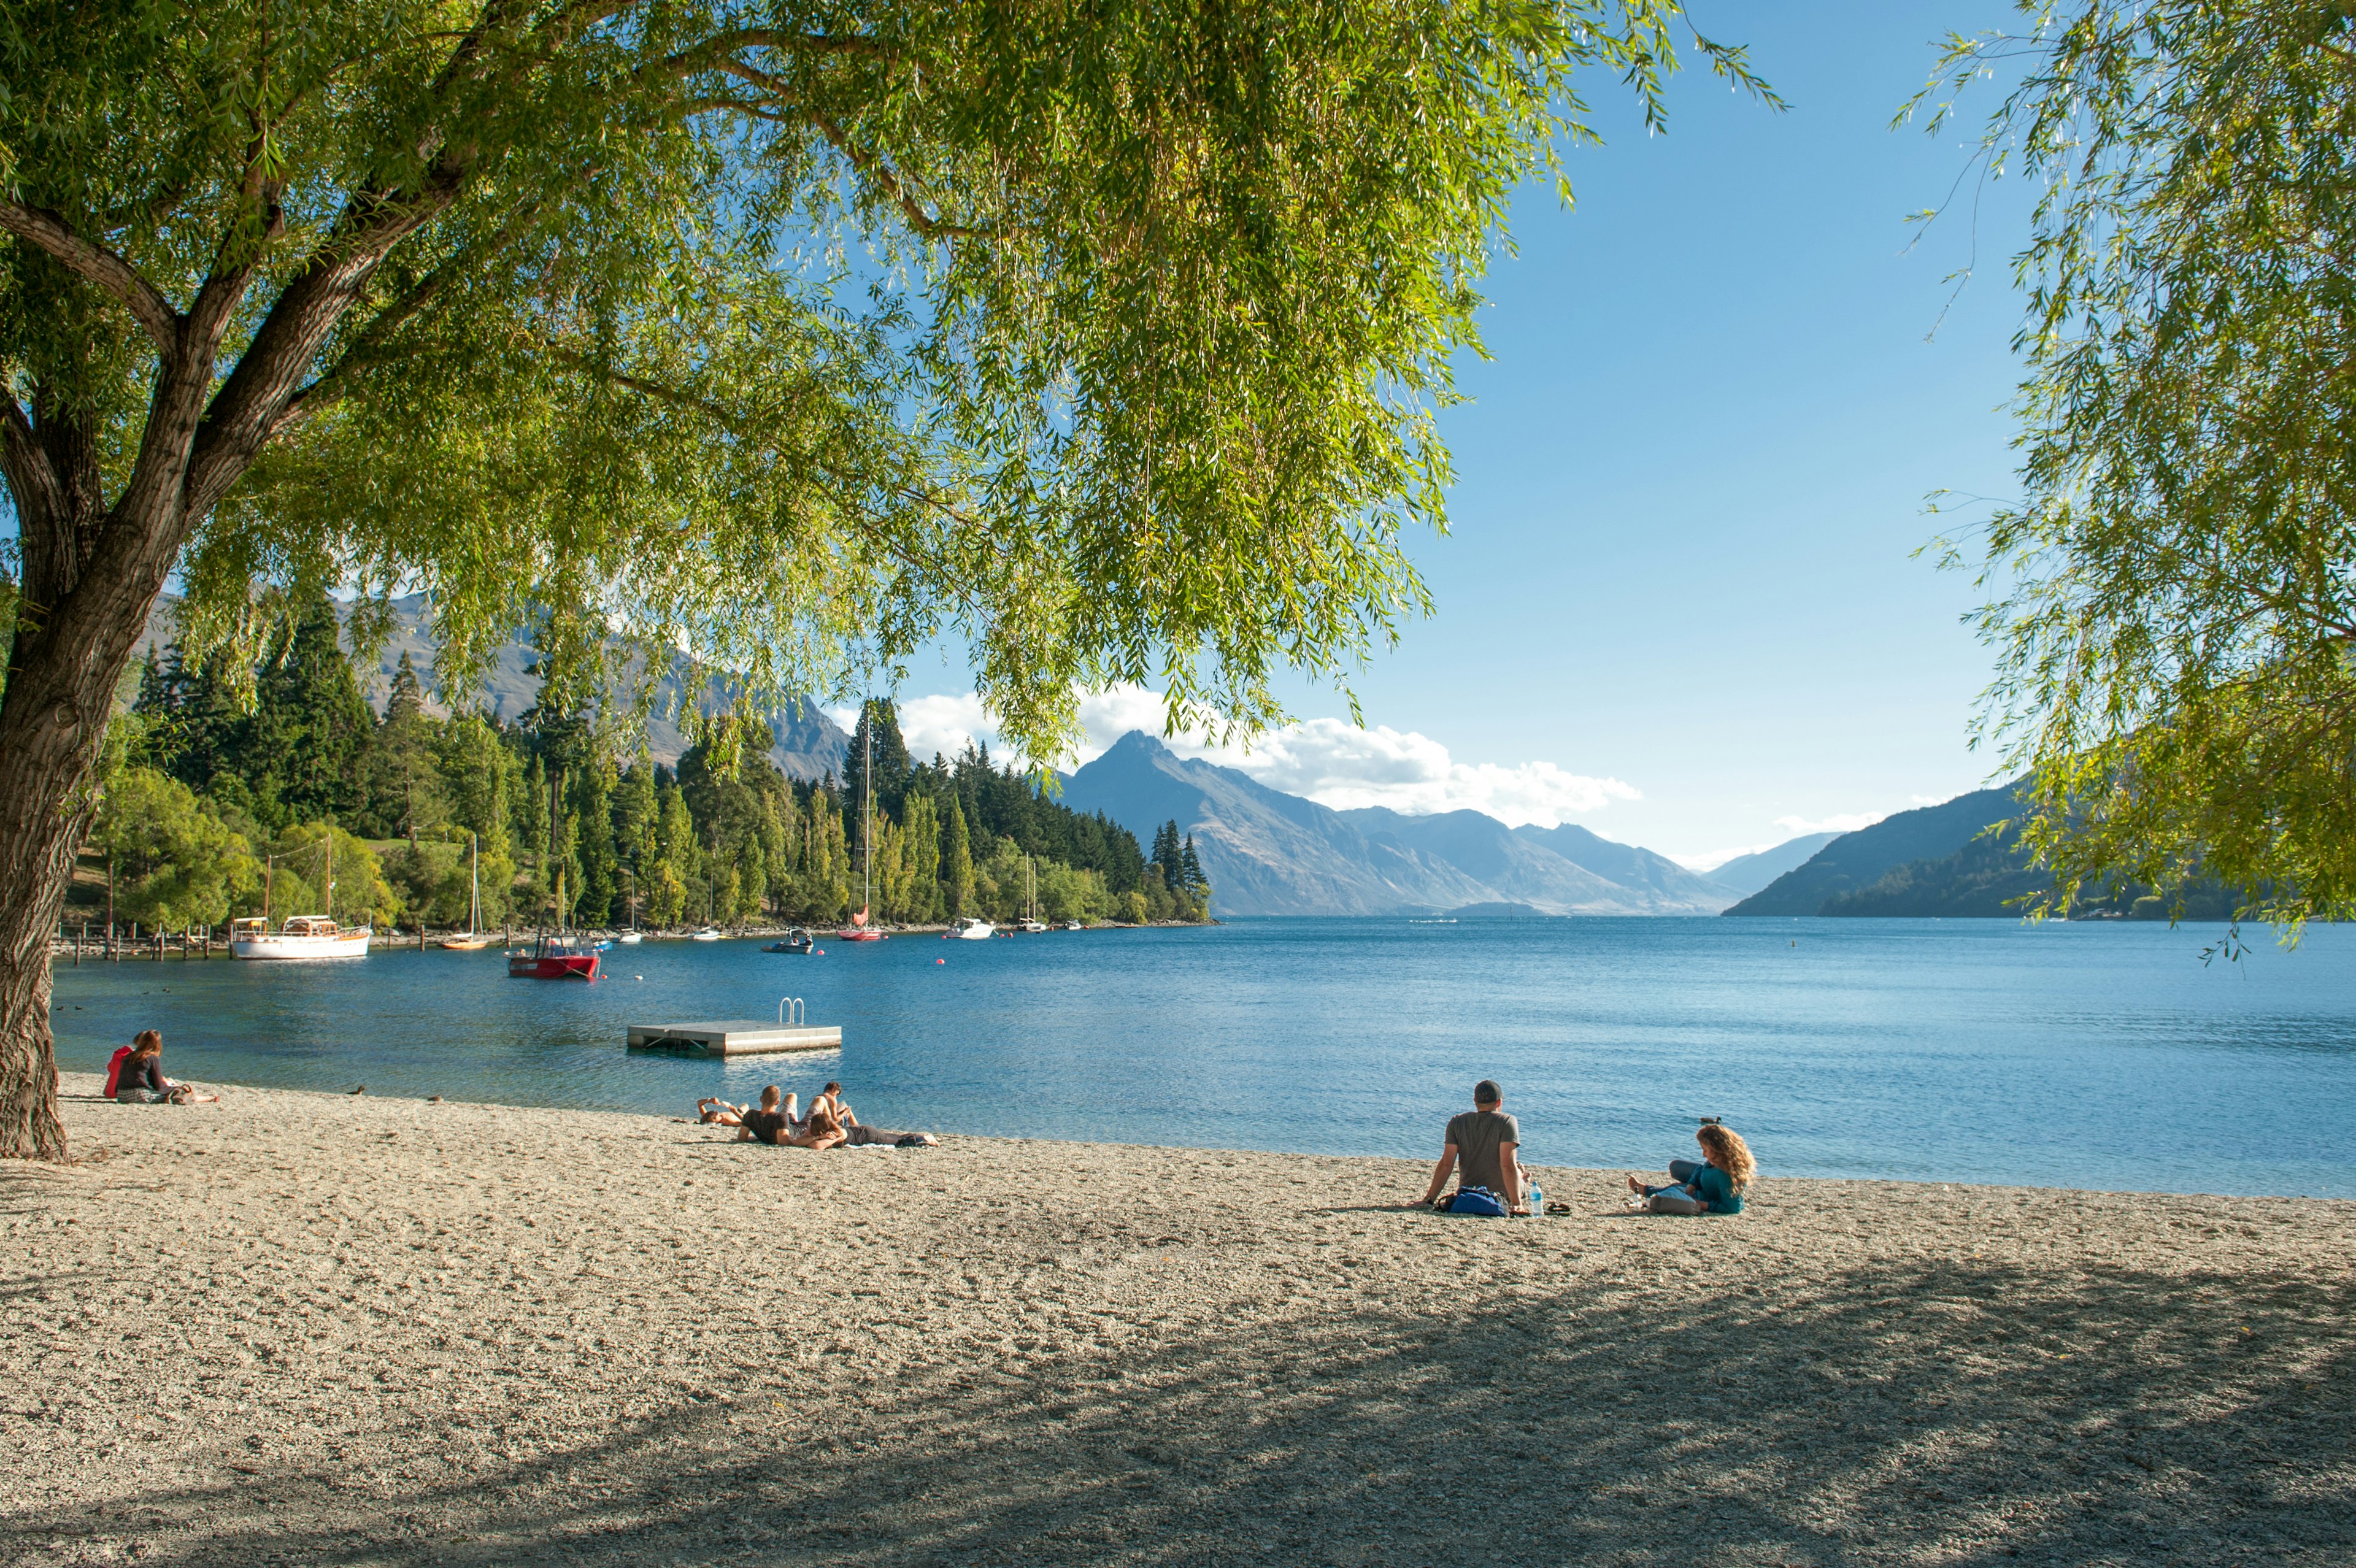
(806, 743)
(1679, 891)
(1859, 859)
(1265, 852)
(1748, 873)
(1522, 869)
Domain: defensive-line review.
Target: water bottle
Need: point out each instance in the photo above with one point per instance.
(1537, 1199)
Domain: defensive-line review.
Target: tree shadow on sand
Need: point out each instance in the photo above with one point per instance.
(1967, 1413)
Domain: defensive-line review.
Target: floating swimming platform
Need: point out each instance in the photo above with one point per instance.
(740, 1037)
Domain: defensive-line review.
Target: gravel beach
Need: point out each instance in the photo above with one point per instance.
(308, 1328)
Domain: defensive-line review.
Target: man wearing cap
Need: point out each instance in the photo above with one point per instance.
(1481, 1146)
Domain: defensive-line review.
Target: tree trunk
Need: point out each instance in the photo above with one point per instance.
(53, 717)
(90, 575)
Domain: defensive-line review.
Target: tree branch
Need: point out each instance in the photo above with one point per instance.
(868, 166)
(32, 481)
(96, 264)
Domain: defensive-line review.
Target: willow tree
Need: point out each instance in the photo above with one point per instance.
(2177, 600)
(1104, 339)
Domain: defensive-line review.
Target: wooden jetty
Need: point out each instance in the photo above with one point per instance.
(740, 1037)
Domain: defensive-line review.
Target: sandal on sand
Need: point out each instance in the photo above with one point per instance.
(1556, 1205)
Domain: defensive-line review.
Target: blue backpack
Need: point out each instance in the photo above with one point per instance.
(1476, 1201)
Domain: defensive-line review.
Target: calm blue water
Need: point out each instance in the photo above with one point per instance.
(2099, 1055)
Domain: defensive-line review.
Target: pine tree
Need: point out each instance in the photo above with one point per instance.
(1189, 871)
(407, 700)
(891, 752)
(308, 747)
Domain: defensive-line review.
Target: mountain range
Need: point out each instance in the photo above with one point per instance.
(1270, 853)
(1267, 852)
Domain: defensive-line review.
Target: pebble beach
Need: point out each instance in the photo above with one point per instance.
(304, 1327)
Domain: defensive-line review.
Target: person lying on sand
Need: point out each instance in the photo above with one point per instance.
(716, 1112)
(770, 1123)
(1483, 1142)
(860, 1133)
(141, 1080)
(1713, 1186)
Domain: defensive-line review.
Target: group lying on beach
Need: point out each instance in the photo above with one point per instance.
(1483, 1148)
(831, 1124)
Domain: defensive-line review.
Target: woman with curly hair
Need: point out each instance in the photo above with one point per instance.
(1714, 1186)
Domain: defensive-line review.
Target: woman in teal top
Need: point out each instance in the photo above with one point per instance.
(1712, 1187)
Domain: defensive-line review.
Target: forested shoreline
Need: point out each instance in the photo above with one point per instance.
(222, 793)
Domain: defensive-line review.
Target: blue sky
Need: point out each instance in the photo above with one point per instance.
(1692, 476)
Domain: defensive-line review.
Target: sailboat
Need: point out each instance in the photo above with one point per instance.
(1031, 883)
(858, 930)
(558, 955)
(471, 939)
(302, 935)
(633, 937)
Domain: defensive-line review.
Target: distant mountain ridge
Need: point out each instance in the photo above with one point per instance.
(805, 743)
(1746, 874)
(1857, 861)
(1269, 853)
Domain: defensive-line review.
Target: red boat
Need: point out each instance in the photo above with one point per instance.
(554, 958)
(858, 930)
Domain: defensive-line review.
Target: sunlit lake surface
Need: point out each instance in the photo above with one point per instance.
(2095, 1055)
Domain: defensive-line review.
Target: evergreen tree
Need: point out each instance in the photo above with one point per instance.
(880, 719)
(407, 699)
(1189, 871)
(956, 863)
(307, 746)
(595, 853)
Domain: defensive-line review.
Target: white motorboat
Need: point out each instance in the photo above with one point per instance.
(304, 936)
(631, 938)
(1074, 925)
(971, 930)
(706, 934)
(1033, 927)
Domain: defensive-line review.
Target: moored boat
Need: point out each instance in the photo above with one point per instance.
(303, 936)
(471, 940)
(554, 958)
(796, 941)
(971, 930)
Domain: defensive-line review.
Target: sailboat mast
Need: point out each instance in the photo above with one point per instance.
(867, 826)
(475, 878)
(331, 870)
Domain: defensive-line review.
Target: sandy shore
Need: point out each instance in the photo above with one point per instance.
(320, 1329)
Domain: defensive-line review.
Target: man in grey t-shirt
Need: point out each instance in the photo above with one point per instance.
(1483, 1142)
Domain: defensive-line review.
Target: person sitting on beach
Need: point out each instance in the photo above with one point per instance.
(824, 1127)
(141, 1080)
(1481, 1148)
(771, 1124)
(831, 1095)
(717, 1112)
(1713, 1186)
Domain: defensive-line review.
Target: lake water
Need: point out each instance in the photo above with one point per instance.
(2101, 1055)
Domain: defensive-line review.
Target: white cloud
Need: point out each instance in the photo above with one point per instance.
(1839, 821)
(1337, 764)
(1326, 760)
